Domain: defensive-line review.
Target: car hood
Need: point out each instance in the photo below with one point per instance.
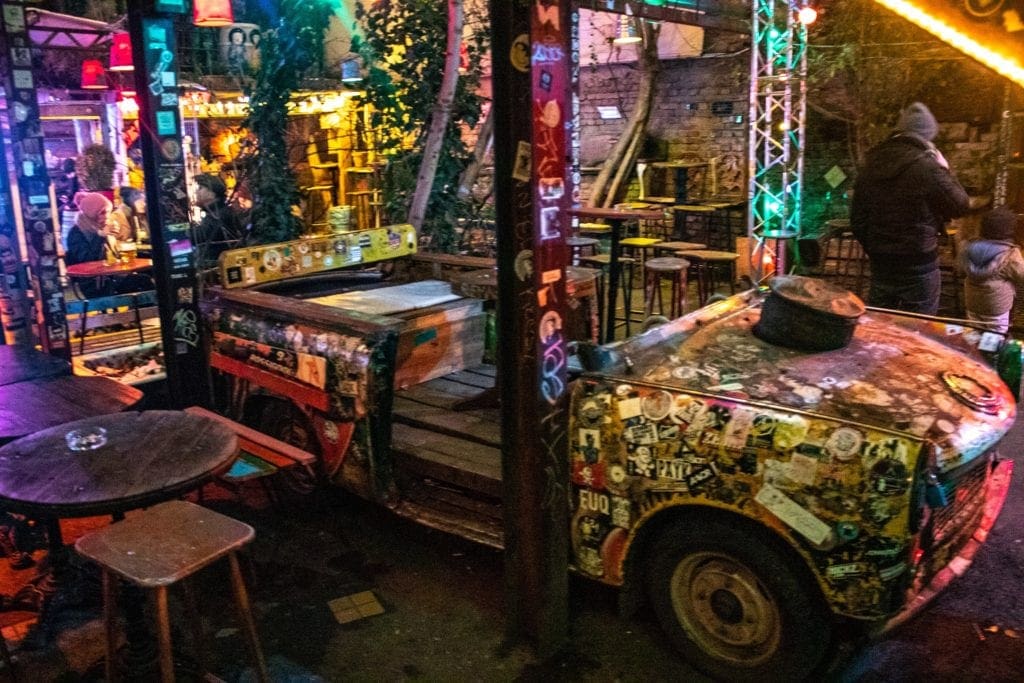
(890, 376)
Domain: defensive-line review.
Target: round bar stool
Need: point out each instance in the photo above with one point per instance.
(581, 246)
(601, 262)
(665, 268)
(705, 264)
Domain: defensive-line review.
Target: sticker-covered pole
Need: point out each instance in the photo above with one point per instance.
(156, 81)
(531, 42)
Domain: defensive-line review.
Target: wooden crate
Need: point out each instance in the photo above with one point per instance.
(440, 340)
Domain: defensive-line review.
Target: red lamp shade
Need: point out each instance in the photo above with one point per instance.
(121, 53)
(93, 75)
(212, 13)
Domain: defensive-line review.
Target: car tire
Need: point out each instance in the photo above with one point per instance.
(735, 605)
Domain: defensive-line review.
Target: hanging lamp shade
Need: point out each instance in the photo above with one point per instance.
(121, 53)
(625, 31)
(212, 13)
(93, 75)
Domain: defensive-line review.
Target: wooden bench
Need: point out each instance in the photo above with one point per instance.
(441, 262)
(117, 309)
(259, 455)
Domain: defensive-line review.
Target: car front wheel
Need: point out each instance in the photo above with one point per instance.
(735, 605)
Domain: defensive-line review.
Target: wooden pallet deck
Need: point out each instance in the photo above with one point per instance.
(434, 439)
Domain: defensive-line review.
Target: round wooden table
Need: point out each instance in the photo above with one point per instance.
(149, 457)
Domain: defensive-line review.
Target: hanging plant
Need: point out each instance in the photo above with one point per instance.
(400, 48)
(292, 45)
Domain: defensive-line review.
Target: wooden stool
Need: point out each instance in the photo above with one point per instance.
(159, 547)
(595, 229)
(673, 269)
(637, 247)
(601, 263)
(580, 244)
(726, 222)
(705, 262)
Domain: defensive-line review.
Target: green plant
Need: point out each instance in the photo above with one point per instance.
(95, 168)
(293, 44)
(401, 49)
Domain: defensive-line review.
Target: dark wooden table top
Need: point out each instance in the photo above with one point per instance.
(618, 214)
(20, 363)
(149, 457)
(102, 268)
(27, 407)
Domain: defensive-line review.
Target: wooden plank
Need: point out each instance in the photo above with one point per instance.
(473, 377)
(388, 301)
(482, 426)
(449, 459)
(249, 438)
(440, 392)
(455, 260)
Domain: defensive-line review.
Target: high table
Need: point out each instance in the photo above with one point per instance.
(21, 363)
(616, 219)
(149, 457)
(682, 175)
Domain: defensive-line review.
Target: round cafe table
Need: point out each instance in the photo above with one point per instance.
(149, 457)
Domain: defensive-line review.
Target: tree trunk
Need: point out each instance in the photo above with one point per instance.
(483, 144)
(619, 164)
(440, 117)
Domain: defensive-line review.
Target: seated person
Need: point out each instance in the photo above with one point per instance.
(222, 226)
(87, 241)
(128, 221)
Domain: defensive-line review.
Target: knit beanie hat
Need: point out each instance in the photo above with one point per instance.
(918, 120)
(92, 204)
(999, 224)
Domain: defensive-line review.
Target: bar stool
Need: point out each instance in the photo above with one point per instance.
(705, 262)
(601, 263)
(693, 213)
(159, 547)
(665, 268)
(725, 222)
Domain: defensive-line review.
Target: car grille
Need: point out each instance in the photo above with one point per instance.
(966, 499)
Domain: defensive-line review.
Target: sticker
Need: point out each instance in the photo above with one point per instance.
(166, 123)
(592, 412)
(686, 409)
(656, 405)
(844, 444)
(523, 265)
(271, 260)
(312, 370)
(790, 431)
(700, 476)
(838, 572)
(521, 169)
(792, 515)
(622, 514)
(22, 79)
(803, 470)
(519, 53)
(623, 389)
(889, 477)
(641, 464)
(645, 433)
(672, 469)
(736, 431)
(589, 475)
(629, 407)
(590, 445)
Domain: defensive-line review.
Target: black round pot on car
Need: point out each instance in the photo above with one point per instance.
(808, 314)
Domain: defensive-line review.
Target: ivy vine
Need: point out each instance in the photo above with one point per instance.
(402, 47)
(292, 45)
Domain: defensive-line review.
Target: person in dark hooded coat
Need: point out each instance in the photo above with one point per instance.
(902, 199)
(993, 269)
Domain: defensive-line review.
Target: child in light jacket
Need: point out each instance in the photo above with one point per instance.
(994, 268)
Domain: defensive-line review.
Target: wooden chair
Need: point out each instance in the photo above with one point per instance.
(159, 547)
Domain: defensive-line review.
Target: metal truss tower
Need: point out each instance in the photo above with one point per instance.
(778, 102)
